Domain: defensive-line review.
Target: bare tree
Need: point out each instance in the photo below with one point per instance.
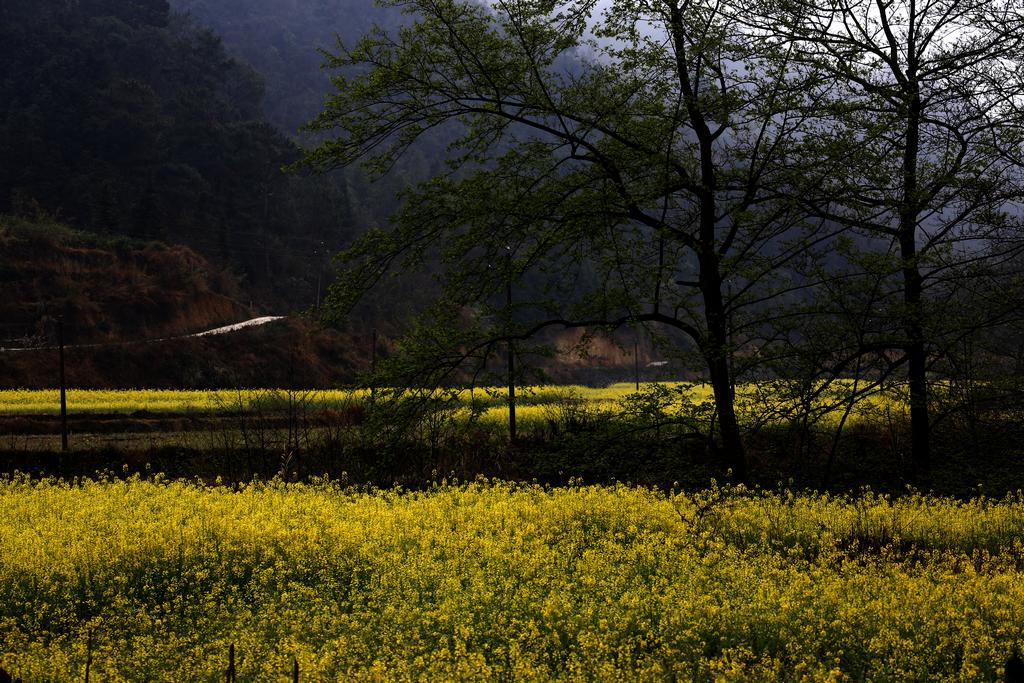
(925, 148)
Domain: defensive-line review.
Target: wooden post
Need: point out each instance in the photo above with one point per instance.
(88, 655)
(63, 389)
(295, 670)
(511, 353)
(231, 676)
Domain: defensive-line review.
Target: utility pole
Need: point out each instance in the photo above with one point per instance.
(267, 194)
(319, 252)
(63, 388)
(373, 364)
(636, 358)
(729, 339)
(511, 350)
(373, 351)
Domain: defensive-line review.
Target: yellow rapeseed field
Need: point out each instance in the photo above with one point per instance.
(47, 401)
(492, 581)
(536, 403)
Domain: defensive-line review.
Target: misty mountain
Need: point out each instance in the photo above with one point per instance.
(281, 40)
(284, 42)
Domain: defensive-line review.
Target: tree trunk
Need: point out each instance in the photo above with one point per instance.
(728, 425)
(920, 429)
(716, 353)
(917, 383)
(715, 345)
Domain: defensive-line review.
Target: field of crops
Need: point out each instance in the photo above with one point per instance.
(110, 419)
(47, 401)
(149, 580)
(534, 402)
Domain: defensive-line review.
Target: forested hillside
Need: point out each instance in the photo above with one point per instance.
(281, 40)
(128, 118)
(285, 42)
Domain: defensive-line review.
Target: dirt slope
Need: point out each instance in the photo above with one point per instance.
(115, 294)
(106, 290)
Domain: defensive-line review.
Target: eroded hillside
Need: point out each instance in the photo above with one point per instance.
(106, 290)
(126, 308)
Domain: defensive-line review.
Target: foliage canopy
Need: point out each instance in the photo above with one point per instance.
(620, 167)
